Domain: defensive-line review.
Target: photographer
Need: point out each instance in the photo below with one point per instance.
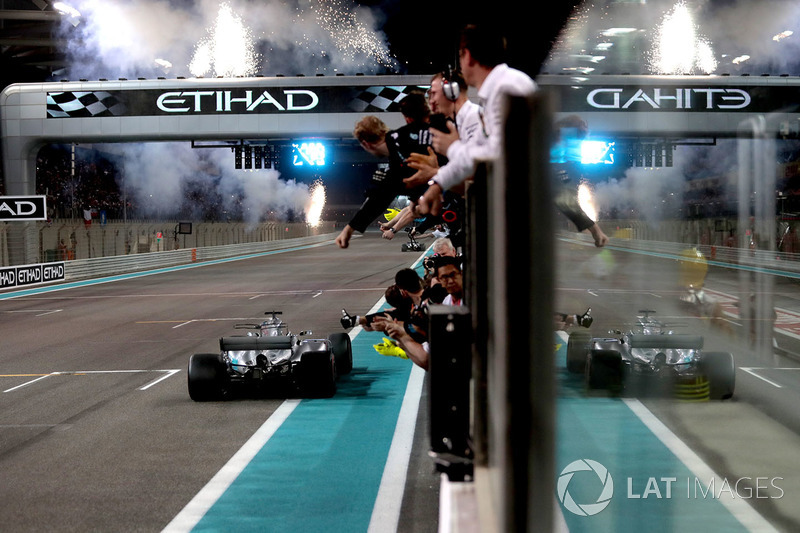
(401, 306)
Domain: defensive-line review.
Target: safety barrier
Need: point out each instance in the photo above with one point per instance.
(782, 263)
(108, 266)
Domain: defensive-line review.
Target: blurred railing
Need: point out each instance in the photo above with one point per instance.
(71, 239)
(116, 265)
(780, 263)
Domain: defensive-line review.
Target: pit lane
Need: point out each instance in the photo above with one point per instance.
(84, 448)
(750, 438)
(97, 432)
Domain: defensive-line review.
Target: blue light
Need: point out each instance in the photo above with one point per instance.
(597, 152)
(310, 154)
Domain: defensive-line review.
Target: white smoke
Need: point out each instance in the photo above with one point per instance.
(650, 194)
(723, 31)
(149, 38)
(171, 180)
(123, 38)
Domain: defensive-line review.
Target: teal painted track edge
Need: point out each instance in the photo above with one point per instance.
(322, 468)
(641, 465)
(332, 483)
(131, 275)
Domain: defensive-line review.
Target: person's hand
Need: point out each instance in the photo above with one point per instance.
(600, 238)
(343, 239)
(381, 323)
(388, 347)
(388, 234)
(426, 167)
(441, 140)
(430, 203)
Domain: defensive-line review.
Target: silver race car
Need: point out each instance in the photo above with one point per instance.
(270, 360)
(651, 360)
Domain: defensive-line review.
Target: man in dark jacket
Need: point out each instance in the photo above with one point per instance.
(414, 137)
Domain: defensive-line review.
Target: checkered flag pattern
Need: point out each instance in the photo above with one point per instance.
(83, 104)
(381, 98)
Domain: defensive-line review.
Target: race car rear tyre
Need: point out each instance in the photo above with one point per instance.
(577, 351)
(404, 248)
(342, 352)
(318, 374)
(206, 377)
(604, 370)
(720, 370)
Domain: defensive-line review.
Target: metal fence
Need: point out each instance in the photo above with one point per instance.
(91, 250)
(71, 239)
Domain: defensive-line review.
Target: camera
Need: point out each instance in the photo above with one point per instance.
(347, 321)
(429, 263)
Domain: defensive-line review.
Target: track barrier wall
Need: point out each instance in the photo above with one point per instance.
(117, 247)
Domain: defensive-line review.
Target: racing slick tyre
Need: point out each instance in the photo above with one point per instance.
(206, 377)
(404, 247)
(720, 370)
(318, 374)
(342, 352)
(604, 370)
(577, 351)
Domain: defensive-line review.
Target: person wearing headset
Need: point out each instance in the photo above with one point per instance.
(482, 63)
(448, 96)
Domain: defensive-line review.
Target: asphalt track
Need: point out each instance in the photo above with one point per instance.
(678, 466)
(97, 432)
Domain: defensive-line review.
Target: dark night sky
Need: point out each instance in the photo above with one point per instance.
(423, 35)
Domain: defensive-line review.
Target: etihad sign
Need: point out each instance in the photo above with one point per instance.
(678, 98)
(227, 101)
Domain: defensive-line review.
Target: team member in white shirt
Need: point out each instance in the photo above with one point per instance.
(481, 58)
(448, 96)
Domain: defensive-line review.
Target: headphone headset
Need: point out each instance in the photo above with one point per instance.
(450, 88)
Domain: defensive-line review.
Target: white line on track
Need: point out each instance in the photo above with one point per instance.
(29, 382)
(167, 374)
(208, 495)
(389, 500)
(762, 378)
(386, 512)
(738, 507)
(41, 312)
(752, 371)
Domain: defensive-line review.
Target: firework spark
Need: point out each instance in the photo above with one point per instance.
(229, 49)
(316, 203)
(586, 201)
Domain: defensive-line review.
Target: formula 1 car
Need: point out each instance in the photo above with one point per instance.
(413, 245)
(272, 360)
(653, 361)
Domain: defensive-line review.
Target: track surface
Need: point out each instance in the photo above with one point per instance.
(97, 432)
(752, 438)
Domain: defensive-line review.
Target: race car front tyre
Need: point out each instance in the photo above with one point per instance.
(604, 370)
(720, 370)
(342, 352)
(206, 377)
(577, 350)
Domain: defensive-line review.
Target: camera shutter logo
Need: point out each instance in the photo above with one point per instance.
(585, 509)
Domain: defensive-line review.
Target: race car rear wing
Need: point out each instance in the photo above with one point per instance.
(243, 343)
(666, 342)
